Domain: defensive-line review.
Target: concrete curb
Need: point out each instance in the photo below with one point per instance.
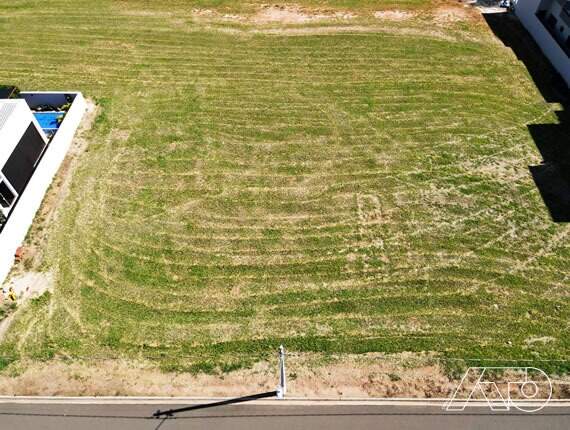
(291, 401)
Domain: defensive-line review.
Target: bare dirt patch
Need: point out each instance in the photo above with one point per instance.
(298, 21)
(26, 286)
(300, 15)
(275, 14)
(295, 20)
(450, 14)
(295, 15)
(393, 15)
(336, 29)
(353, 376)
(30, 284)
(309, 375)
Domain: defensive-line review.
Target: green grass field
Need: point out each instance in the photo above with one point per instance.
(337, 191)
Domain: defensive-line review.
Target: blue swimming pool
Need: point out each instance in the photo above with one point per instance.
(49, 120)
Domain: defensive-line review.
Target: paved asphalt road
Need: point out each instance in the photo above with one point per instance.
(262, 417)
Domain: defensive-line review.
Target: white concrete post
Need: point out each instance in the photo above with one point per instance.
(282, 388)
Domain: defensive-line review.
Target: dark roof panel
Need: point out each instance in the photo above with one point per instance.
(22, 163)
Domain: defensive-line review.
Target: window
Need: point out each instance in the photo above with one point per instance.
(566, 9)
(6, 195)
(551, 21)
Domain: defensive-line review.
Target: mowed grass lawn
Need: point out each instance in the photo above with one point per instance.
(336, 191)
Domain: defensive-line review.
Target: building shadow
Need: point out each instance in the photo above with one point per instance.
(8, 91)
(552, 176)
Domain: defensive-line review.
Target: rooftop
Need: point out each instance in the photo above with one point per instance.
(7, 108)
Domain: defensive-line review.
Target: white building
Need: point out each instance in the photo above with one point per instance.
(32, 147)
(22, 144)
(548, 21)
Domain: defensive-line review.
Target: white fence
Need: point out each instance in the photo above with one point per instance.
(23, 214)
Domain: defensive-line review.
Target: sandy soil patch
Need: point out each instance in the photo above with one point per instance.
(30, 285)
(336, 29)
(369, 375)
(26, 286)
(298, 15)
(393, 15)
(359, 376)
(448, 15)
(295, 15)
(275, 14)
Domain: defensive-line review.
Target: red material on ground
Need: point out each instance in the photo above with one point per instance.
(19, 253)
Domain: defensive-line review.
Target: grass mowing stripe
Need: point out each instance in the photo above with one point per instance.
(372, 184)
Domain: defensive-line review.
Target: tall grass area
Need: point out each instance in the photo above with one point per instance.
(335, 191)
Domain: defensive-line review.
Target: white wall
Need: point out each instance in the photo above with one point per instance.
(23, 214)
(526, 11)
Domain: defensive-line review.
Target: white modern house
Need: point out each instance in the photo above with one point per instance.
(548, 21)
(36, 131)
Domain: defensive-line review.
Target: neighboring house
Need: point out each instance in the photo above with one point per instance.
(36, 130)
(548, 21)
(22, 143)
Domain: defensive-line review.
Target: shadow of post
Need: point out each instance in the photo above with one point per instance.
(552, 176)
